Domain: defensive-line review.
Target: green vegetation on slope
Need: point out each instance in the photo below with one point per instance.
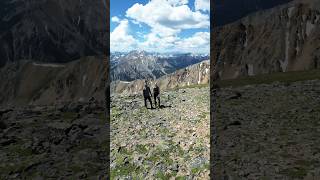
(286, 77)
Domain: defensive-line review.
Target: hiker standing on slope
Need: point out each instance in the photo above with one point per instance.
(156, 94)
(147, 94)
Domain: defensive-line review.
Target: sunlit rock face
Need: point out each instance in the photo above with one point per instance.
(194, 75)
(284, 38)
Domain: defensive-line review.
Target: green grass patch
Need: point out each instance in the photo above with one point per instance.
(123, 170)
(75, 168)
(298, 172)
(305, 163)
(204, 115)
(199, 86)
(20, 165)
(143, 110)
(198, 149)
(163, 176)
(197, 170)
(19, 151)
(181, 178)
(142, 148)
(286, 155)
(287, 77)
(161, 155)
(101, 116)
(125, 151)
(69, 115)
(87, 143)
(115, 113)
(164, 131)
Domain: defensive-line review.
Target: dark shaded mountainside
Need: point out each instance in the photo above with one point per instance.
(53, 74)
(29, 82)
(52, 51)
(284, 38)
(227, 11)
(52, 30)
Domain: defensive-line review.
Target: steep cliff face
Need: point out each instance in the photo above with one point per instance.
(52, 30)
(34, 83)
(196, 74)
(285, 38)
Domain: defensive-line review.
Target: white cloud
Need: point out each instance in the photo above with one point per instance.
(120, 39)
(115, 19)
(203, 5)
(177, 2)
(168, 17)
(153, 42)
(198, 43)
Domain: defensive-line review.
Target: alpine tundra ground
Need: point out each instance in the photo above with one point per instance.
(268, 127)
(167, 143)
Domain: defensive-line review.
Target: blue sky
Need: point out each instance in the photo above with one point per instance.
(160, 25)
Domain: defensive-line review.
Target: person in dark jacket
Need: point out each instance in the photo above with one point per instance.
(156, 95)
(147, 95)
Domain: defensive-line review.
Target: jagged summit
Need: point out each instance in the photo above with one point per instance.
(141, 64)
(196, 74)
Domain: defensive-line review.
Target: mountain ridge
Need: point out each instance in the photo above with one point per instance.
(52, 31)
(141, 64)
(196, 74)
(243, 48)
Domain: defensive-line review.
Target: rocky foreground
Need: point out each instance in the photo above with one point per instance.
(268, 131)
(166, 143)
(54, 142)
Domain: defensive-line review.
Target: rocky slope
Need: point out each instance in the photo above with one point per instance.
(52, 30)
(171, 142)
(67, 141)
(281, 39)
(53, 120)
(28, 82)
(196, 74)
(141, 64)
(268, 131)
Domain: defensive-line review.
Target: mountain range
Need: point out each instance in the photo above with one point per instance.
(193, 75)
(143, 65)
